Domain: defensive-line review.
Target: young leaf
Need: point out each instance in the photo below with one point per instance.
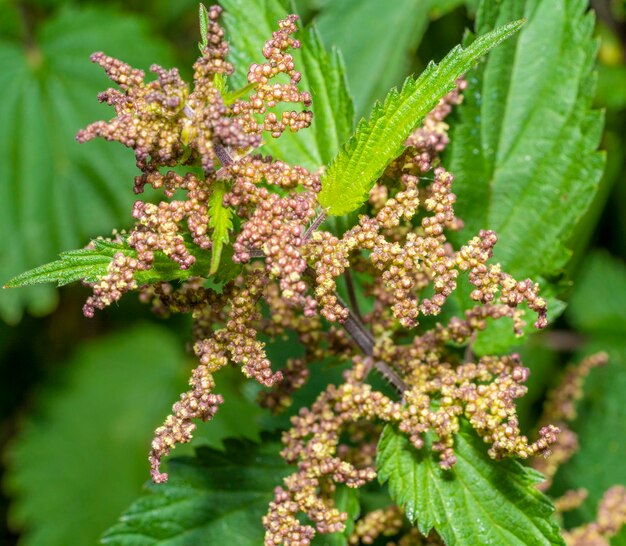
(90, 265)
(380, 139)
(81, 456)
(249, 23)
(203, 16)
(524, 151)
(56, 193)
(213, 498)
(220, 220)
(479, 501)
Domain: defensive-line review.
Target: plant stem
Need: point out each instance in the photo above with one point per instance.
(314, 225)
(352, 294)
(365, 341)
(361, 336)
(223, 154)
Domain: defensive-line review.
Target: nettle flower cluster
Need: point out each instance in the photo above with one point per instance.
(290, 266)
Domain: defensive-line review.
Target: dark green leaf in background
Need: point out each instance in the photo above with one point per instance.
(598, 310)
(54, 193)
(212, 498)
(380, 139)
(376, 38)
(479, 501)
(524, 152)
(82, 455)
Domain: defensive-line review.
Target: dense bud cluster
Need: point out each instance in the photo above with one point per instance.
(275, 225)
(236, 342)
(288, 278)
(422, 259)
(389, 522)
(384, 522)
(312, 442)
(267, 95)
(120, 278)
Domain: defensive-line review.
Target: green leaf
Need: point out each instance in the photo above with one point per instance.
(212, 498)
(377, 58)
(90, 265)
(380, 139)
(81, 456)
(220, 220)
(598, 304)
(203, 16)
(524, 150)
(56, 193)
(479, 501)
(249, 25)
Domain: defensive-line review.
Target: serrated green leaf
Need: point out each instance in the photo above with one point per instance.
(524, 151)
(249, 25)
(90, 265)
(212, 498)
(377, 59)
(81, 456)
(203, 16)
(380, 139)
(56, 193)
(479, 501)
(220, 221)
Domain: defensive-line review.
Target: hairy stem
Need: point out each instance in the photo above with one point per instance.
(365, 341)
(352, 294)
(314, 225)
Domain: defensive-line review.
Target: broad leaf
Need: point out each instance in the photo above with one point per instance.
(249, 24)
(212, 498)
(81, 456)
(90, 265)
(598, 305)
(479, 501)
(376, 39)
(380, 139)
(56, 193)
(220, 221)
(524, 151)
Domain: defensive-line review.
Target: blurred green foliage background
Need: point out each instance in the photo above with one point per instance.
(79, 398)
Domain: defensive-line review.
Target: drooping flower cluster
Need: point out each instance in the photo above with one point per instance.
(267, 95)
(235, 342)
(611, 518)
(560, 408)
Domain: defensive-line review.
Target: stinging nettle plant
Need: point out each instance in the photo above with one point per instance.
(281, 218)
